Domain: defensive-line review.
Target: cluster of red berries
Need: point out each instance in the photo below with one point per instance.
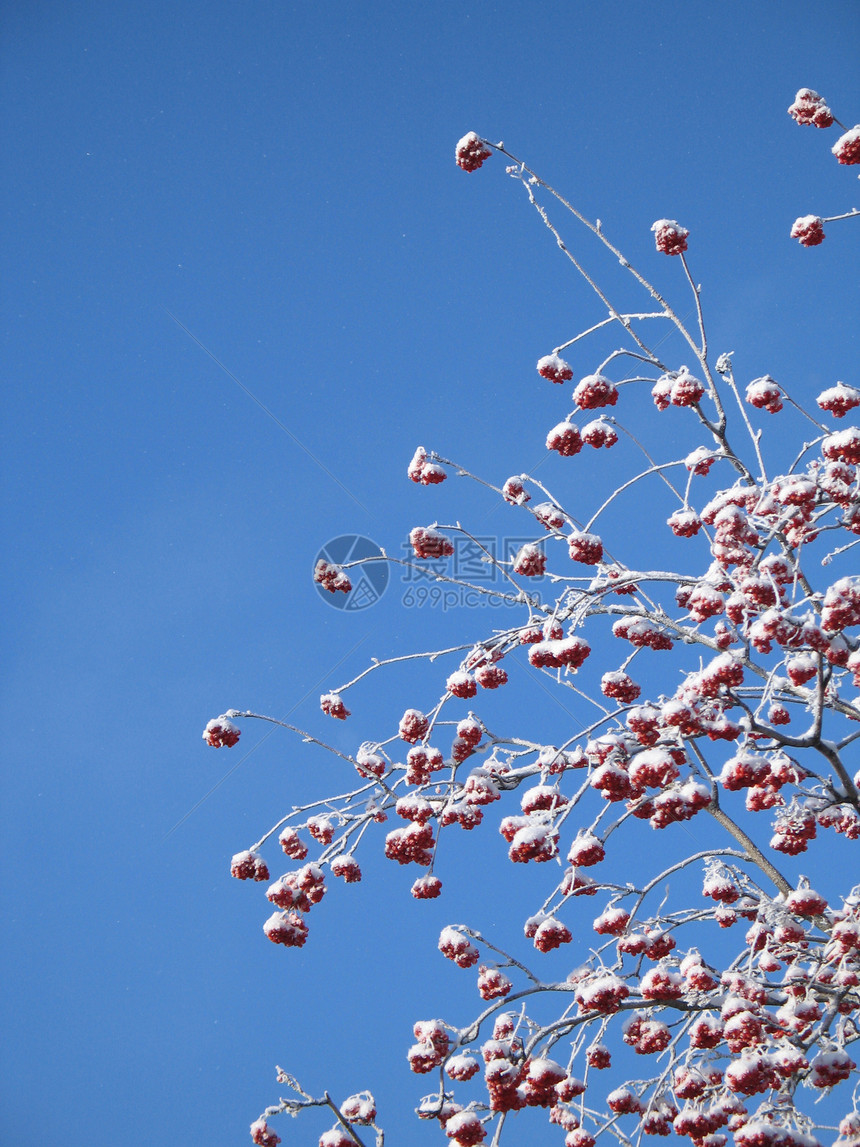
(491, 676)
(808, 230)
(321, 829)
(430, 543)
(530, 561)
(336, 1137)
(595, 391)
(847, 147)
(493, 984)
(262, 1134)
(599, 433)
(843, 446)
(531, 839)
(565, 439)
(670, 237)
(249, 866)
(677, 389)
(461, 684)
(413, 726)
(612, 921)
(360, 1108)
(642, 632)
(585, 548)
(839, 399)
(427, 888)
(465, 1129)
(347, 867)
(564, 652)
(514, 492)
(602, 992)
(422, 470)
(811, 109)
(765, 394)
(471, 152)
(554, 368)
(286, 928)
(220, 732)
(332, 705)
(331, 577)
(549, 516)
(431, 1048)
(369, 763)
(410, 845)
(793, 830)
(421, 761)
(646, 1036)
(292, 844)
(619, 686)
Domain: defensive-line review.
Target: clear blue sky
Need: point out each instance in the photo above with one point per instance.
(280, 177)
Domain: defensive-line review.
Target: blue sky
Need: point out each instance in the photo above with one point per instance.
(280, 178)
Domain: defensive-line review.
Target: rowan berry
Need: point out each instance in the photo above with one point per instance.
(262, 1134)
(670, 237)
(565, 439)
(471, 152)
(221, 732)
(332, 704)
(811, 109)
(594, 391)
(554, 368)
(808, 230)
(764, 393)
(847, 147)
